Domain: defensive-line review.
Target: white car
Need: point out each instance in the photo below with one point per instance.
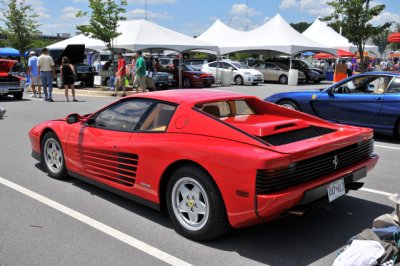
(241, 74)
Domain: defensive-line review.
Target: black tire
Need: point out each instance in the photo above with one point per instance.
(18, 95)
(214, 222)
(239, 80)
(187, 82)
(290, 105)
(254, 83)
(283, 79)
(59, 83)
(307, 79)
(57, 172)
(106, 80)
(317, 81)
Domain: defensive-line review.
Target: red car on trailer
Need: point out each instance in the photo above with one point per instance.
(214, 159)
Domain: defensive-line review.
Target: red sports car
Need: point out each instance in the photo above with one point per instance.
(10, 84)
(213, 159)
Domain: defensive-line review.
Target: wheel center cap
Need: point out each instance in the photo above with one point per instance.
(191, 203)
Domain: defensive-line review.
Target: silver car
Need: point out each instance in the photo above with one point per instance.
(276, 72)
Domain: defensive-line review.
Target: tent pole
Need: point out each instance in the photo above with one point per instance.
(179, 70)
(216, 74)
(290, 65)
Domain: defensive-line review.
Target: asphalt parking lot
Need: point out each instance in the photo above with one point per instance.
(44, 221)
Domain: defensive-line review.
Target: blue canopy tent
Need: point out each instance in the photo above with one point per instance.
(8, 51)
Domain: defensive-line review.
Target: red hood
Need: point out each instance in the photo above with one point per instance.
(5, 66)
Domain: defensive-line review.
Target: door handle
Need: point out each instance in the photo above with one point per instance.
(379, 98)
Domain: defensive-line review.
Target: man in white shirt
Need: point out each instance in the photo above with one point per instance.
(46, 70)
(349, 68)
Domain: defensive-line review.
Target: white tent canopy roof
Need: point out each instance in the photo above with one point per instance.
(276, 35)
(319, 31)
(140, 35)
(223, 36)
(89, 43)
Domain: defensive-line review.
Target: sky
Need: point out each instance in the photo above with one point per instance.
(192, 17)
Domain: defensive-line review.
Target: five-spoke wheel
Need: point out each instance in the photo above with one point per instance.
(53, 156)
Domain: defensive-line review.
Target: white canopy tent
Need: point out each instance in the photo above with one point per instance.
(89, 43)
(320, 32)
(225, 37)
(278, 35)
(275, 35)
(141, 35)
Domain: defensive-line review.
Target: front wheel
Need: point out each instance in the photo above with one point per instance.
(289, 105)
(239, 80)
(53, 156)
(187, 83)
(283, 79)
(195, 205)
(59, 81)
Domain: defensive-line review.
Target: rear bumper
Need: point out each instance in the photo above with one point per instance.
(274, 205)
(10, 90)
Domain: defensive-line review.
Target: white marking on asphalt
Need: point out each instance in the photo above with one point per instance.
(376, 191)
(152, 251)
(387, 147)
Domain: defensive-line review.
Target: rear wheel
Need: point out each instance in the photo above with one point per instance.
(53, 156)
(289, 105)
(239, 80)
(18, 95)
(283, 79)
(195, 205)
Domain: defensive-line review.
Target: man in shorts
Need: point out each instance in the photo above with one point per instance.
(34, 75)
(120, 76)
(140, 72)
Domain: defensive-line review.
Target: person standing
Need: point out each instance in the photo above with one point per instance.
(121, 73)
(140, 72)
(34, 74)
(46, 71)
(67, 72)
(2, 112)
(349, 70)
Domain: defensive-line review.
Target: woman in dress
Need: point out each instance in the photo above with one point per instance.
(67, 72)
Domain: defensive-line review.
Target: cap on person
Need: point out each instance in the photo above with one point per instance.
(32, 53)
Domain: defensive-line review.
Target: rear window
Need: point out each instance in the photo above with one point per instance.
(223, 109)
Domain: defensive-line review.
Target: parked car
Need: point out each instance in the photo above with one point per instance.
(257, 164)
(192, 78)
(163, 80)
(76, 54)
(311, 72)
(241, 74)
(276, 72)
(10, 84)
(371, 99)
(196, 63)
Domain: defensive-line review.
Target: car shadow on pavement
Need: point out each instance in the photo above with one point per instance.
(386, 138)
(303, 240)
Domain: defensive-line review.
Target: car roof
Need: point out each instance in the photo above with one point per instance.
(191, 96)
(381, 73)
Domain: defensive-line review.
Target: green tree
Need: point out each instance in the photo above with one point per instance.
(20, 23)
(104, 18)
(380, 40)
(355, 16)
(301, 26)
(396, 46)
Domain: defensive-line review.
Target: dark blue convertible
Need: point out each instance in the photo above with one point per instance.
(370, 99)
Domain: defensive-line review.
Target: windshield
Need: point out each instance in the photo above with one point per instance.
(105, 57)
(306, 64)
(239, 65)
(188, 68)
(282, 66)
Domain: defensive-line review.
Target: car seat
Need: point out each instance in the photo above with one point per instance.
(212, 110)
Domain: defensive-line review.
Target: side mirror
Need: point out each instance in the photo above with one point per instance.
(230, 68)
(330, 91)
(73, 118)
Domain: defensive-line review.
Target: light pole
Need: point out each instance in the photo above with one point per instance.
(247, 15)
(145, 9)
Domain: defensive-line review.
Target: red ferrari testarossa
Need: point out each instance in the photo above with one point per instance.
(213, 159)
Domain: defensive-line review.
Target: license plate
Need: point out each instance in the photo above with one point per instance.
(3, 90)
(336, 189)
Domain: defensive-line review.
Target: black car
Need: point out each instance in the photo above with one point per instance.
(312, 73)
(163, 80)
(76, 54)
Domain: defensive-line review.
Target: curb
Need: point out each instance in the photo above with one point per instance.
(91, 92)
